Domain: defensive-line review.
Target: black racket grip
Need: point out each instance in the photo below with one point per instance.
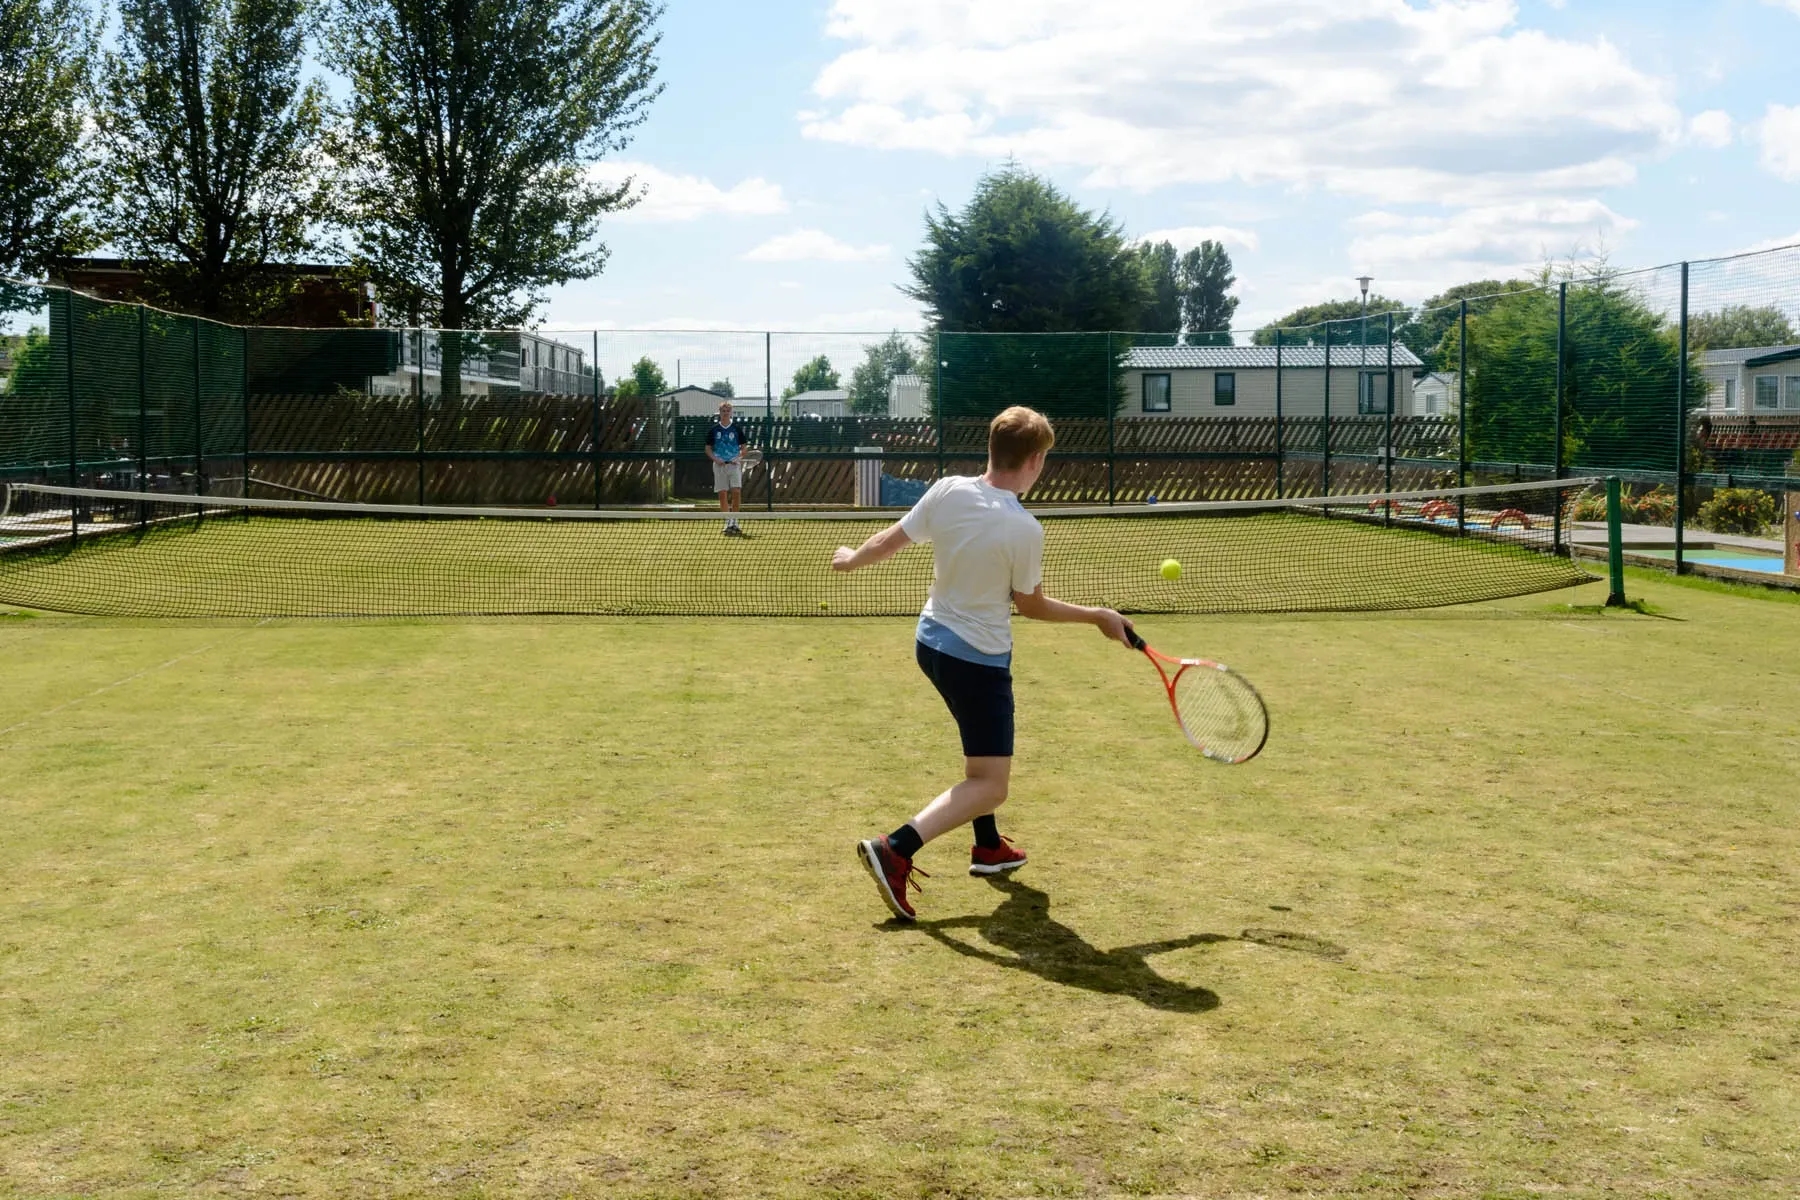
(1131, 635)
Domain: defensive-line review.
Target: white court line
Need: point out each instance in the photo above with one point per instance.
(117, 683)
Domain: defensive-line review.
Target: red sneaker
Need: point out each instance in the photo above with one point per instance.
(997, 860)
(892, 875)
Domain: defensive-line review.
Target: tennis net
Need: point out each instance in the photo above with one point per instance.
(142, 554)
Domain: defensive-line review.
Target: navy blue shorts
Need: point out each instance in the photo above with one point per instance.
(979, 697)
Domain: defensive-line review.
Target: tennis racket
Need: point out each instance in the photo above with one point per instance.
(750, 459)
(1216, 707)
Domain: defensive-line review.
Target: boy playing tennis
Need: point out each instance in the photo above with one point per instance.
(988, 557)
(724, 444)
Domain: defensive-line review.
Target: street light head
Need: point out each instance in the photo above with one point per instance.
(1364, 281)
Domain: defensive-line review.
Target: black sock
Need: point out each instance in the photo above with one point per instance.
(987, 834)
(905, 841)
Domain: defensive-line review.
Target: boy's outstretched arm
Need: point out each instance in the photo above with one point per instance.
(1040, 607)
(879, 548)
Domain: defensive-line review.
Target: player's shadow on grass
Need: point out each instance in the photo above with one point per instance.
(1055, 952)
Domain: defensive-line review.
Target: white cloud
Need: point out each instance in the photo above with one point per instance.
(1187, 237)
(1450, 103)
(1712, 128)
(667, 196)
(1779, 133)
(1792, 6)
(804, 245)
(1505, 239)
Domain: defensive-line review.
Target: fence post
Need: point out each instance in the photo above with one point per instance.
(768, 423)
(1325, 453)
(595, 364)
(1388, 454)
(199, 419)
(1681, 371)
(1615, 547)
(244, 402)
(1278, 447)
(1462, 411)
(1112, 489)
(143, 437)
(937, 353)
(419, 375)
(1556, 425)
(74, 430)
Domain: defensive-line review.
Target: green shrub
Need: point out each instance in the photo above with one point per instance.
(1738, 510)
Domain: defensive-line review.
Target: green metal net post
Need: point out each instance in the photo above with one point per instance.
(1615, 546)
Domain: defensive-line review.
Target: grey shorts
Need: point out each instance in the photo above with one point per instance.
(728, 476)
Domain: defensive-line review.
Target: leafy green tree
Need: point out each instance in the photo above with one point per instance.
(464, 144)
(1432, 332)
(1305, 326)
(813, 376)
(1161, 264)
(720, 387)
(1207, 306)
(1022, 258)
(1740, 326)
(209, 148)
(649, 377)
(895, 355)
(1620, 372)
(45, 46)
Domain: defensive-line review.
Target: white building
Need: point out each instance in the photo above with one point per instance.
(691, 401)
(491, 362)
(821, 402)
(1239, 381)
(1437, 393)
(906, 396)
(1752, 380)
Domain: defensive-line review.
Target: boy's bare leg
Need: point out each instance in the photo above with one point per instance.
(982, 791)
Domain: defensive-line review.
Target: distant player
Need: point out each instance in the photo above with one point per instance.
(725, 445)
(989, 555)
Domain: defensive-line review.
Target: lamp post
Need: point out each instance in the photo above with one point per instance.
(1363, 281)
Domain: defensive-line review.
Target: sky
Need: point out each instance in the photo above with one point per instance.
(787, 167)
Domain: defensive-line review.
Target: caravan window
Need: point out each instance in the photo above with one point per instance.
(1767, 389)
(1156, 393)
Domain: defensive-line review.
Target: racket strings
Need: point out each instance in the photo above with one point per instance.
(1220, 713)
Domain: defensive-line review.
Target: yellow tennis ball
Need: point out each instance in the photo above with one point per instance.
(1171, 570)
(823, 604)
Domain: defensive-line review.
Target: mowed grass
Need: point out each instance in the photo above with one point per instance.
(568, 908)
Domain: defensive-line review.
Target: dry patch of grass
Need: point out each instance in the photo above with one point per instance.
(568, 908)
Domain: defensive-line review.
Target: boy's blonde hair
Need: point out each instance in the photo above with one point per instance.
(1017, 434)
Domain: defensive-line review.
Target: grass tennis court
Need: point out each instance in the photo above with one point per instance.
(568, 908)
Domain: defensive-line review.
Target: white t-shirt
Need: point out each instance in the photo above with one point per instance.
(985, 547)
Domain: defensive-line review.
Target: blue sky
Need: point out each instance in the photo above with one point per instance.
(788, 164)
